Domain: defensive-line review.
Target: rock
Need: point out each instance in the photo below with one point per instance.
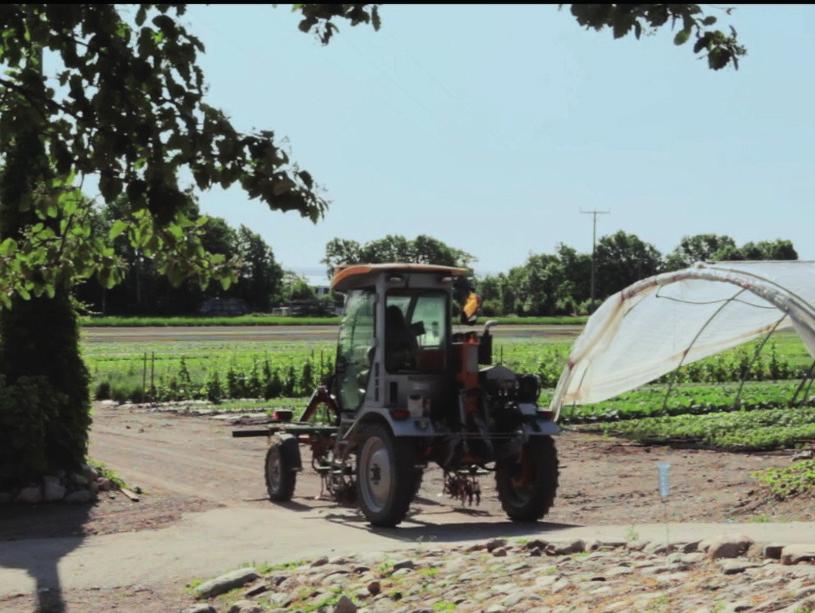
(5, 498)
(226, 582)
(79, 479)
(319, 562)
(771, 552)
(501, 552)
(30, 495)
(511, 601)
(345, 605)
(80, 497)
(536, 544)
(734, 567)
(495, 608)
(793, 554)
(256, 590)
(52, 489)
(535, 552)
(374, 587)
(245, 606)
(691, 547)
(728, 546)
(104, 484)
(577, 546)
(404, 564)
(201, 608)
(91, 474)
(495, 544)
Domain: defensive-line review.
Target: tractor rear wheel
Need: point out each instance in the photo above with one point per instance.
(386, 475)
(527, 487)
(281, 475)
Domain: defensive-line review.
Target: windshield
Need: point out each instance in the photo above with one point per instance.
(416, 331)
(356, 348)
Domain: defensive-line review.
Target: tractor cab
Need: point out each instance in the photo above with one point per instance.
(397, 350)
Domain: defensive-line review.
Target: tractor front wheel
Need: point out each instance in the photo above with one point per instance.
(386, 475)
(527, 487)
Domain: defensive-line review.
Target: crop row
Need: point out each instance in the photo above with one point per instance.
(734, 431)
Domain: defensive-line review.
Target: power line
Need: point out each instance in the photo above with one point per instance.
(594, 215)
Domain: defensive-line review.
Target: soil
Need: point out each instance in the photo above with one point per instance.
(186, 464)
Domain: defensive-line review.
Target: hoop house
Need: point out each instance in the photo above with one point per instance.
(661, 323)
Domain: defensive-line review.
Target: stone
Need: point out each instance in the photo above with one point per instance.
(52, 489)
(80, 497)
(226, 582)
(771, 551)
(728, 546)
(245, 606)
(794, 554)
(501, 552)
(201, 608)
(535, 553)
(577, 546)
(256, 590)
(79, 479)
(30, 495)
(734, 567)
(494, 608)
(319, 562)
(345, 605)
(91, 474)
(374, 587)
(495, 544)
(536, 544)
(511, 601)
(691, 547)
(104, 484)
(409, 564)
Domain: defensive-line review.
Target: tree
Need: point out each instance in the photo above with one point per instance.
(623, 259)
(698, 248)
(125, 102)
(719, 47)
(394, 248)
(260, 277)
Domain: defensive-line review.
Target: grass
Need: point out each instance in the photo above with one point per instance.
(108, 473)
(262, 319)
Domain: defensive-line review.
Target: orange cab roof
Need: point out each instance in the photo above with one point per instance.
(343, 275)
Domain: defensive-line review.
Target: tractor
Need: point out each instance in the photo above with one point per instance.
(407, 390)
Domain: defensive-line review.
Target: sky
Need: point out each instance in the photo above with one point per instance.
(492, 127)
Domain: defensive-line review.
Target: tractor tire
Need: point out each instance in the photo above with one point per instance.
(281, 475)
(386, 475)
(527, 488)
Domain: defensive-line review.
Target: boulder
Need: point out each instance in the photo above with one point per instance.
(80, 497)
(793, 554)
(728, 546)
(226, 582)
(554, 549)
(30, 495)
(52, 489)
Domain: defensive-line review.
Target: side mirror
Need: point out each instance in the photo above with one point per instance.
(471, 309)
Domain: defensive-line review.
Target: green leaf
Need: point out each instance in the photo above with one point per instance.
(709, 21)
(8, 247)
(681, 37)
(117, 228)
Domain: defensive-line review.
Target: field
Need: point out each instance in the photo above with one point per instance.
(700, 411)
(259, 319)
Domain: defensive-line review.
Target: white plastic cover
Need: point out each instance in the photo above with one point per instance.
(663, 322)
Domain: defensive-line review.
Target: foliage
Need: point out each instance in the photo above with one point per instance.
(706, 247)
(735, 431)
(796, 479)
(394, 248)
(29, 429)
(719, 47)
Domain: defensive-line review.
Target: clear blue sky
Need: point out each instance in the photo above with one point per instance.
(490, 127)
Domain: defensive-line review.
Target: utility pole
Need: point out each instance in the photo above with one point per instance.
(594, 215)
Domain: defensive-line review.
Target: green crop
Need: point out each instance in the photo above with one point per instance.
(793, 480)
